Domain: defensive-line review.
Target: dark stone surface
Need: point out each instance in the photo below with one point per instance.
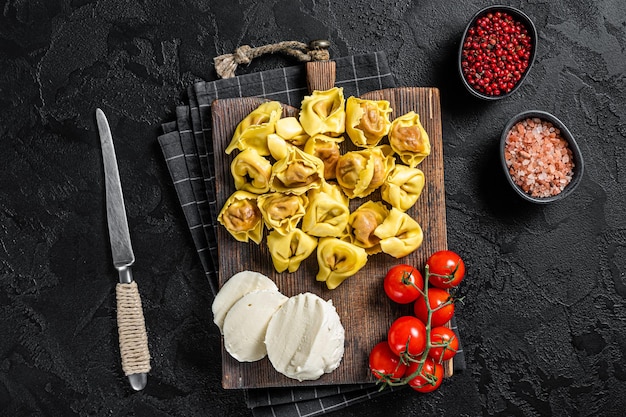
(543, 322)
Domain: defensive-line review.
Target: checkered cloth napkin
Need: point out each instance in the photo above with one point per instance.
(188, 150)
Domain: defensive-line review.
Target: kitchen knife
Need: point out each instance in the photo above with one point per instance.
(131, 326)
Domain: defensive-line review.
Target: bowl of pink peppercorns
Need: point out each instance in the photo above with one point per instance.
(497, 51)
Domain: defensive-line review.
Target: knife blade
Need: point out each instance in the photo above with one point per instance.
(130, 321)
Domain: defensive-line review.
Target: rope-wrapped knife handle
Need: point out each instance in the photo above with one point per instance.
(132, 330)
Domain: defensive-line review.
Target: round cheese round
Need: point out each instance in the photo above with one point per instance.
(236, 287)
(246, 323)
(305, 338)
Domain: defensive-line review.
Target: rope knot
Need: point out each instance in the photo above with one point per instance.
(242, 55)
(225, 65)
(319, 54)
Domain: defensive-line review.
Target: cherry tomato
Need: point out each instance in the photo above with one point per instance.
(436, 298)
(407, 336)
(443, 336)
(403, 284)
(446, 269)
(384, 363)
(429, 379)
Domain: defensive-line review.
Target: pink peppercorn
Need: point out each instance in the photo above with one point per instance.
(496, 53)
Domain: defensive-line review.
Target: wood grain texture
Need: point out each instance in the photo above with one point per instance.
(366, 313)
(321, 75)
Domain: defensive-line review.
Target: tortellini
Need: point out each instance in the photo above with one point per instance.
(242, 218)
(289, 250)
(324, 112)
(409, 139)
(367, 121)
(281, 175)
(363, 223)
(251, 172)
(327, 213)
(403, 187)
(252, 131)
(297, 172)
(338, 260)
(282, 212)
(290, 129)
(399, 234)
(361, 172)
(327, 149)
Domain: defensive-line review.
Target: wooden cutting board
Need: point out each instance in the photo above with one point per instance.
(365, 311)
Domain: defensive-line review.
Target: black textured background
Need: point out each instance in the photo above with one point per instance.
(544, 319)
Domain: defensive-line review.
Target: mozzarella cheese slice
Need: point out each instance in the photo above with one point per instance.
(236, 287)
(246, 323)
(305, 338)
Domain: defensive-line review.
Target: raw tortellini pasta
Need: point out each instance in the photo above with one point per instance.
(252, 131)
(327, 213)
(282, 212)
(281, 174)
(361, 172)
(290, 129)
(367, 121)
(290, 249)
(338, 260)
(251, 172)
(297, 172)
(399, 234)
(409, 139)
(324, 112)
(363, 223)
(327, 149)
(241, 217)
(403, 187)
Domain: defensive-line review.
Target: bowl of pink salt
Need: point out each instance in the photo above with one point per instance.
(540, 157)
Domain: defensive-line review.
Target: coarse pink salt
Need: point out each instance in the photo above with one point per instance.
(539, 159)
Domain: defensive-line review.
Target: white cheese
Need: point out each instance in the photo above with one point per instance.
(246, 323)
(305, 338)
(236, 287)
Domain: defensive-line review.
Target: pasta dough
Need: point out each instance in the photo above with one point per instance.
(297, 172)
(290, 249)
(251, 172)
(403, 187)
(290, 129)
(327, 213)
(363, 222)
(252, 131)
(361, 172)
(325, 148)
(409, 139)
(277, 146)
(241, 217)
(399, 234)
(324, 112)
(338, 260)
(367, 121)
(281, 211)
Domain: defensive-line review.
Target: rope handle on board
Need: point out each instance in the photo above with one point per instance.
(225, 65)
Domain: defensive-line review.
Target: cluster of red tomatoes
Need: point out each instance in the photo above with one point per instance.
(417, 346)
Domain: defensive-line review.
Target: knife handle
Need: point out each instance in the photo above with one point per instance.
(132, 330)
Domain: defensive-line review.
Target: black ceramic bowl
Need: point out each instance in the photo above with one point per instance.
(517, 15)
(579, 164)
